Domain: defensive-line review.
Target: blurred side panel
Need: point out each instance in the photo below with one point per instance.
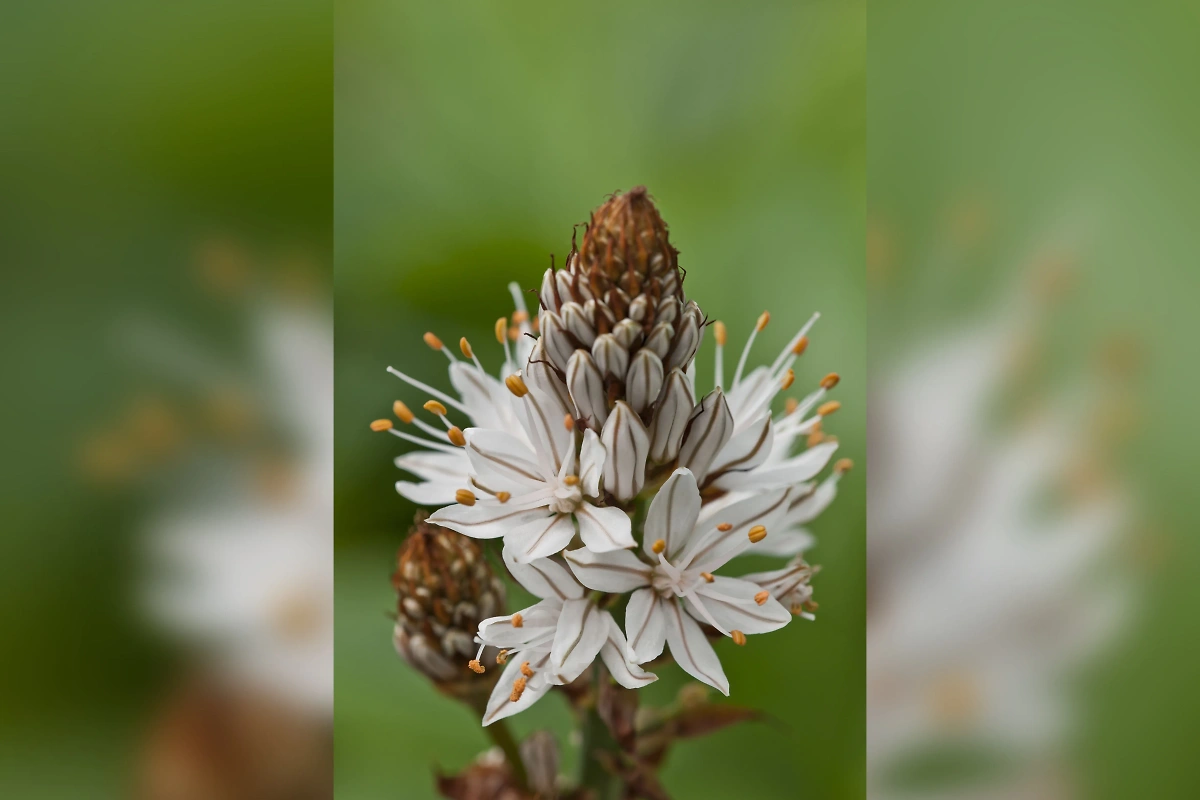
(165, 327)
(1033, 284)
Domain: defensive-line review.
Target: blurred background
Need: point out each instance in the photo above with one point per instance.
(1032, 283)
(165, 594)
(470, 138)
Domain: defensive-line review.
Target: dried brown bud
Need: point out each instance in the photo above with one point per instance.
(444, 587)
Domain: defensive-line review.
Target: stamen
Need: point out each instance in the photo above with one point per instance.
(518, 689)
(517, 620)
(433, 341)
(381, 425)
(516, 385)
(476, 667)
(708, 577)
(725, 526)
(434, 407)
(720, 334)
(502, 331)
(825, 409)
(503, 497)
(465, 497)
(569, 422)
(790, 406)
(830, 380)
(514, 333)
(763, 319)
(762, 597)
(757, 533)
(402, 412)
(520, 316)
(502, 656)
(456, 437)
(465, 347)
(800, 346)
(843, 465)
(815, 438)
(408, 437)
(424, 387)
(526, 671)
(789, 378)
(810, 605)
(738, 637)
(571, 480)
(658, 546)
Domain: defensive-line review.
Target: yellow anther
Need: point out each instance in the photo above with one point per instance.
(503, 496)
(815, 438)
(658, 546)
(762, 597)
(514, 333)
(381, 425)
(843, 465)
(708, 577)
(763, 319)
(789, 378)
(738, 637)
(501, 329)
(790, 406)
(502, 656)
(757, 534)
(517, 620)
(719, 332)
(526, 670)
(516, 385)
(725, 526)
(810, 605)
(434, 407)
(433, 341)
(830, 380)
(825, 409)
(455, 435)
(569, 422)
(800, 346)
(518, 689)
(476, 667)
(402, 412)
(571, 480)
(465, 347)
(465, 497)
(519, 317)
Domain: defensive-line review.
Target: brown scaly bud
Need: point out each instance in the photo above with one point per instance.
(615, 321)
(444, 587)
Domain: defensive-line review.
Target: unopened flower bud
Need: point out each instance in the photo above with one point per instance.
(628, 444)
(708, 429)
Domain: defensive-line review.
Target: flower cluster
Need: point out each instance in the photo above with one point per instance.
(609, 482)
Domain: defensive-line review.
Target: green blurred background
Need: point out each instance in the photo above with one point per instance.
(470, 138)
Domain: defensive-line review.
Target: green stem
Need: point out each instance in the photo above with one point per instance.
(596, 738)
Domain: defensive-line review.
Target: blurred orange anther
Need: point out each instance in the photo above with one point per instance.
(501, 329)
(503, 496)
(800, 346)
(830, 380)
(402, 412)
(826, 409)
(789, 378)
(725, 526)
(465, 497)
(738, 637)
(434, 407)
(719, 333)
(455, 435)
(381, 425)
(762, 597)
(763, 319)
(465, 347)
(433, 341)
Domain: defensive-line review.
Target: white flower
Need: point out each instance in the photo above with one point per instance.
(683, 554)
(534, 496)
(789, 585)
(552, 642)
(443, 466)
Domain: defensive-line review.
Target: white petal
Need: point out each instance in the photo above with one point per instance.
(540, 375)
(616, 571)
(691, 650)
(499, 704)
(591, 463)
(481, 394)
(582, 631)
(502, 462)
(644, 380)
(543, 577)
(786, 473)
(782, 582)
(542, 415)
(433, 465)
(708, 429)
(671, 417)
(731, 603)
(712, 549)
(624, 671)
(672, 515)
(747, 449)
(539, 621)
(810, 507)
(586, 386)
(604, 529)
(539, 538)
(783, 543)
(430, 493)
(627, 445)
(645, 623)
(487, 519)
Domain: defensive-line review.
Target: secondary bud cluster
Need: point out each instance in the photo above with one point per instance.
(444, 587)
(615, 323)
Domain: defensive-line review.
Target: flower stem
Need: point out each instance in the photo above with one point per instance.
(597, 739)
(502, 736)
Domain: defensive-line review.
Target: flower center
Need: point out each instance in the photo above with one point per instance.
(567, 495)
(670, 581)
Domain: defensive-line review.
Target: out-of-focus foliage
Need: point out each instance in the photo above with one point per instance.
(167, 182)
(471, 137)
(1031, 170)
